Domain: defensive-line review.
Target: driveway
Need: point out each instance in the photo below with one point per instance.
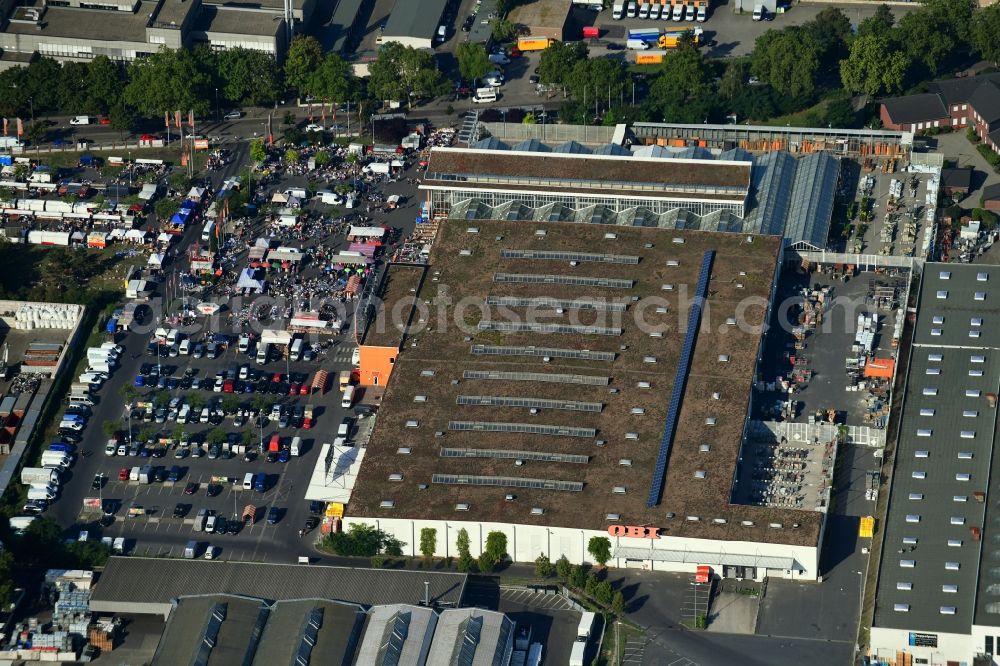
(957, 148)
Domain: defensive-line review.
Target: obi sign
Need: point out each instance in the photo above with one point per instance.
(634, 531)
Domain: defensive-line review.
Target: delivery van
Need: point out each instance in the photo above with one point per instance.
(345, 379)
(248, 481)
(348, 398)
(190, 550)
(262, 350)
(260, 482)
(295, 352)
(296, 446)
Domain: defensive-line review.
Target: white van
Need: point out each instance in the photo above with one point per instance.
(262, 349)
(349, 201)
(348, 398)
(79, 120)
(206, 232)
(344, 429)
(295, 447)
(248, 481)
(185, 346)
(330, 198)
(485, 95)
(295, 353)
(81, 400)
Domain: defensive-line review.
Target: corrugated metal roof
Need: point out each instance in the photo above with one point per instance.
(486, 636)
(811, 206)
(164, 580)
(398, 635)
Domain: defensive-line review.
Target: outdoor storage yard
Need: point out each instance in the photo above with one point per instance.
(601, 392)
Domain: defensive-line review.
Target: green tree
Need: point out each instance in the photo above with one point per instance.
(563, 568)
(936, 34)
(600, 80)
(831, 30)
(985, 30)
(878, 24)
(557, 62)
(363, 540)
(304, 56)
(577, 578)
(840, 113)
(128, 393)
(216, 436)
(104, 85)
(291, 156)
(248, 76)
(496, 545)
(123, 117)
(543, 566)
(603, 592)
(111, 427)
(788, 60)
(683, 92)
(504, 30)
(168, 80)
(590, 584)
(618, 603)
(873, 67)
(466, 562)
(473, 61)
(258, 153)
(197, 401)
(487, 562)
(462, 544)
(428, 543)
(599, 548)
(165, 208)
(402, 73)
(332, 80)
(230, 404)
(529, 119)
(734, 80)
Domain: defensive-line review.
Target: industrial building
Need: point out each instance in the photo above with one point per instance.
(414, 24)
(542, 18)
(232, 629)
(128, 29)
(611, 405)
(773, 193)
(938, 591)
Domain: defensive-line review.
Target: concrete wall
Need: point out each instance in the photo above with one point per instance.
(526, 542)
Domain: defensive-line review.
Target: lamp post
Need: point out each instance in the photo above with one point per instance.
(218, 116)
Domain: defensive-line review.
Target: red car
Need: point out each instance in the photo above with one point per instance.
(105, 120)
(276, 378)
(123, 474)
(304, 389)
(227, 386)
(293, 389)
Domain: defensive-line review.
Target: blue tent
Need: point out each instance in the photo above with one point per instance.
(112, 326)
(86, 159)
(188, 205)
(178, 220)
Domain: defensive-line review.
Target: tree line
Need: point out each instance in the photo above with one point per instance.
(791, 69)
(200, 79)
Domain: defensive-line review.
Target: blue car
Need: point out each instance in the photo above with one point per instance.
(283, 456)
(162, 383)
(140, 381)
(172, 383)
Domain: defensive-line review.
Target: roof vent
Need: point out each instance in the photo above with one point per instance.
(667, 287)
(699, 474)
(705, 448)
(642, 385)
(421, 486)
(710, 421)
(661, 310)
(386, 504)
(719, 521)
(540, 232)
(901, 608)
(716, 395)
(537, 511)
(746, 523)
(396, 477)
(678, 240)
(403, 450)
(947, 610)
(610, 236)
(625, 462)
(775, 526)
(427, 373)
(462, 506)
(439, 433)
(692, 519)
(618, 490)
(631, 435)
(420, 398)
(649, 359)
(509, 497)
(412, 424)
(465, 253)
(723, 358)
(638, 410)
(613, 516)
(656, 334)
(904, 586)
(731, 321)
(673, 263)
(472, 230)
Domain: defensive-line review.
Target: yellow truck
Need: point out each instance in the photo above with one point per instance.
(534, 43)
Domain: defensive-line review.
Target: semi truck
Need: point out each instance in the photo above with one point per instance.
(534, 43)
(577, 654)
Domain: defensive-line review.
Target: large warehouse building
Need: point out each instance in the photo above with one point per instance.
(648, 186)
(938, 594)
(560, 381)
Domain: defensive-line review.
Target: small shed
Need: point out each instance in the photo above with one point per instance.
(956, 181)
(991, 197)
